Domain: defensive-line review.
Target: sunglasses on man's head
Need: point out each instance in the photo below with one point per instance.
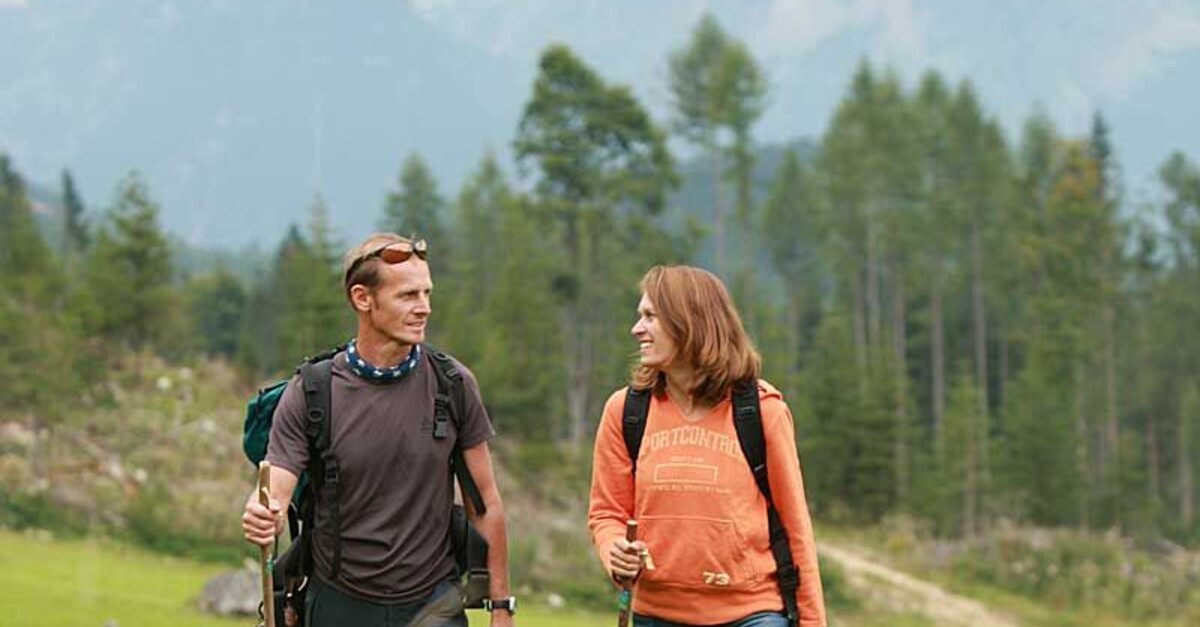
(397, 252)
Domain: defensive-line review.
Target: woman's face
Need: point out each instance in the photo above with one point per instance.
(654, 345)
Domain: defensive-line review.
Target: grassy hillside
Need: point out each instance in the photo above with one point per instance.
(66, 583)
(87, 582)
(153, 461)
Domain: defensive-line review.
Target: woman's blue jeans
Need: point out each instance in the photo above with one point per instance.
(761, 619)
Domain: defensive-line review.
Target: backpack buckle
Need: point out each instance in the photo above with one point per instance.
(789, 576)
(441, 409)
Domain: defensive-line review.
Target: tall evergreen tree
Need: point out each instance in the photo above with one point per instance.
(38, 343)
(129, 269)
(599, 161)
(478, 246)
(416, 207)
(718, 89)
(309, 293)
(1108, 192)
(25, 259)
(217, 303)
(792, 230)
(75, 228)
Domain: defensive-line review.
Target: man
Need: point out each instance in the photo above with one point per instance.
(395, 554)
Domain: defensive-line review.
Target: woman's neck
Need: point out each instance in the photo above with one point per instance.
(680, 382)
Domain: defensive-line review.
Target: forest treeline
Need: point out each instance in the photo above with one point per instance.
(968, 326)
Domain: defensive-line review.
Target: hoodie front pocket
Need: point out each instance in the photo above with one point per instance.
(694, 551)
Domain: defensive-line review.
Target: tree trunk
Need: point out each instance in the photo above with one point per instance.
(1187, 487)
(794, 335)
(574, 328)
(860, 330)
(572, 358)
(718, 211)
(873, 314)
(1110, 460)
(1005, 365)
(1153, 481)
(900, 352)
(971, 487)
(939, 368)
(1081, 447)
(981, 354)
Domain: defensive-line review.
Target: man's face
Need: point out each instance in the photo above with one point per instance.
(399, 304)
(655, 347)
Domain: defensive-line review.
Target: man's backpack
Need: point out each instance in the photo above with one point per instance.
(320, 484)
(747, 419)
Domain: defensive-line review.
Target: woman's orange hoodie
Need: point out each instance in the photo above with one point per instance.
(700, 513)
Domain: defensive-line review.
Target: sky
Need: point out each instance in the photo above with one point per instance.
(238, 114)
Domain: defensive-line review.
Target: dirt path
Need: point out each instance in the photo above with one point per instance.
(900, 591)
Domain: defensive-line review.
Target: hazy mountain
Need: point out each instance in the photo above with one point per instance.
(238, 113)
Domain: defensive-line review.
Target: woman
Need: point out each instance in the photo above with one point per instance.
(702, 518)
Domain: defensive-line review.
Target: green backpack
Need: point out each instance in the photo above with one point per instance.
(260, 414)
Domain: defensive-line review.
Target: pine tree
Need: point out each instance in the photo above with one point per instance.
(129, 270)
(217, 305)
(521, 356)
(460, 322)
(717, 89)
(309, 295)
(601, 166)
(75, 228)
(26, 264)
(416, 207)
(792, 230)
(38, 341)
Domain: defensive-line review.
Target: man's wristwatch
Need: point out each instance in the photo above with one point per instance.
(509, 604)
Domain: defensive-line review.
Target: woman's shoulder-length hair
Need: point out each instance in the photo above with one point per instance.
(696, 311)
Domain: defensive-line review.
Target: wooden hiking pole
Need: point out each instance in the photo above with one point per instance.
(625, 600)
(265, 559)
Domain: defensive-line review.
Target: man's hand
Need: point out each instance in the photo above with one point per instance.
(501, 618)
(260, 525)
(625, 558)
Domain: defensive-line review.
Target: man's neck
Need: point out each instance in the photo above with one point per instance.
(381, 351)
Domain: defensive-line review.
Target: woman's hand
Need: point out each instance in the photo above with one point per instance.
(625, 559)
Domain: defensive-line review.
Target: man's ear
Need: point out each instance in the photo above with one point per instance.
(361, 298)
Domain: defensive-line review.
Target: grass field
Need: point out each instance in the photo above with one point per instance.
(72, 583)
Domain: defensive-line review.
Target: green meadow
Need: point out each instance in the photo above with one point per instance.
(68, 583)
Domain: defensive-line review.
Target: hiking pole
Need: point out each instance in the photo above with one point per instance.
(625, 600)
(265, 559)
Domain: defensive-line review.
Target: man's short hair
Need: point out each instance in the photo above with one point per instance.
(367, 272)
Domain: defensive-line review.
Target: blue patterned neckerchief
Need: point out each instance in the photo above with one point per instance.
(376, 374)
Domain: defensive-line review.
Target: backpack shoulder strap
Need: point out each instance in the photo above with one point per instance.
(450, 404)
(633, 422)
(316, 376)
(747, 420)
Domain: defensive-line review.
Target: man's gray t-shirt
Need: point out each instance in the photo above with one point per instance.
(395, 481)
